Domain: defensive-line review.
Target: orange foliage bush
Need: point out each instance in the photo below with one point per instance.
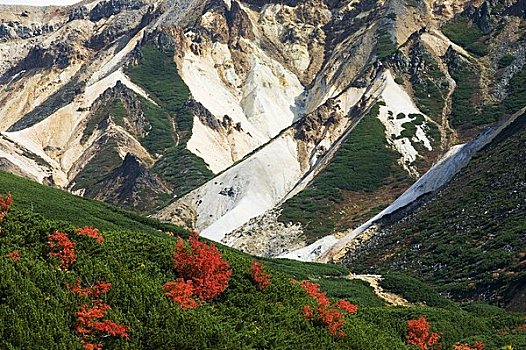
(5, 204)
(259, 275)
(419, 334)
(91, 232)
(330, 316)
(347, 306)
(14, 255)
(181, 292)
(95, 291)
(203, 265)
(477, 346)
(205, 274)
(91, 324)
(63, 248)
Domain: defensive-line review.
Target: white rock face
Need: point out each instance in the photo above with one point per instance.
(264, 103)
(397, 101)
(248, 189)
(313, 251)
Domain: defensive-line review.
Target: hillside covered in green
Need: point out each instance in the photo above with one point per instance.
(39, 308)
(469, 239)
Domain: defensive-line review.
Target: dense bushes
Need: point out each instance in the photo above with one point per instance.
(43, 307)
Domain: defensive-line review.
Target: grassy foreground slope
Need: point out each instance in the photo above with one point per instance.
(60, 205)
(37, 310)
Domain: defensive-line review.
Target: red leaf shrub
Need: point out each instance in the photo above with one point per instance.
(477, 346)
(14, 255)
(330, 315)
(91, 324)
(5, 204)
(313, 289)
(95, 291)
(347, 306)
(203, 265)
(181, 292)
(63, 248)
(90, 232)
(419, 334)
(332, 319)
(259, 275)
(91, 346)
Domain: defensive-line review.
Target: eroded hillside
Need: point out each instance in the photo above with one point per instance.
(251, 120)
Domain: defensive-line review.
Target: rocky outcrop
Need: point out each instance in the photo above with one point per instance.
(106, 9)
(78, 13)
(132, 185)
(267, 237)
(134, 122)
(123, 25)
(14, 30)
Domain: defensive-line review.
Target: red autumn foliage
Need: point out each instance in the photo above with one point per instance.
(95, 291)
(313, 289)
(477, 346)
(419, 334)
(203, 265)
(307, 311)
(259, 275)
(14, 255)
(347, 306)
(330, 316)
(5, 204)
(89, 322)
(63, 248)
(91, 232)
(332, 319)
(181, 292)
(91, 346)
(507, 330)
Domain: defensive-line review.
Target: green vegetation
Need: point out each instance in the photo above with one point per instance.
(157, 74)
(116, 109)
(118, 112)
(413, 290)
(161, 134)
(428, 91)
(417, 119)
(505, 61)
(433, 132)
(61, 205)
(37, 309)
(98, 168)
(469, 240)
(182, 169)
(466, 34)
(385, 46)
(464, 114)
(350, 170)
(409, 130)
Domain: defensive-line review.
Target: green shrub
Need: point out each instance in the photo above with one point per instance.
(466, 34)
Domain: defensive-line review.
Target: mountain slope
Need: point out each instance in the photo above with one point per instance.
(468, 238)
(37, 310)
(230, 109)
